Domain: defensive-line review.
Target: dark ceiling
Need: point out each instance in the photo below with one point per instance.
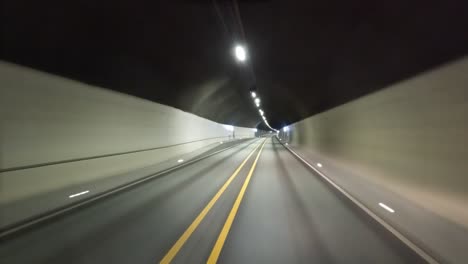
(304, 56)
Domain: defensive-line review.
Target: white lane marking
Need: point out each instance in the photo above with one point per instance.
(319, 164)
(98, 197)
(181, 160)
(386, 207)
(78, 194)
(428, 258)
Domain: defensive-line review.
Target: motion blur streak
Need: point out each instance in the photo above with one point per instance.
(121, 120)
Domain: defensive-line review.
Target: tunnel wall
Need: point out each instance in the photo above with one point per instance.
(57, 133)
(410, 138)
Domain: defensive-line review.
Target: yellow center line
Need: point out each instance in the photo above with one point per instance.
(185, 236)
(230, 219)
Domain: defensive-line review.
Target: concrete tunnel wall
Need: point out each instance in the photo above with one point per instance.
(73, 127)
(411, 138)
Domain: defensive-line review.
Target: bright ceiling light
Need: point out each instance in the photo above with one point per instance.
(240, 53)
(253, 94)
(285, 129)
(261, 111)
(257, 100)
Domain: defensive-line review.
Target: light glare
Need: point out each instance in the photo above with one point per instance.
(229, 127)
(240, 53)
(253, 94)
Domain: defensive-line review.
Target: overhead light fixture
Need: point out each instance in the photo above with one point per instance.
(261, 111)
(285, 129)
(241, 54)
(253, 94)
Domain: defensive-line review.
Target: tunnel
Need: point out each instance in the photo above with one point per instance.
(233, 131)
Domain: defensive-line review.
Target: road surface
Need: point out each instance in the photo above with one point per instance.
(254, 203)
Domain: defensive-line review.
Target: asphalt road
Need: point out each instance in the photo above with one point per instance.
(254, 203)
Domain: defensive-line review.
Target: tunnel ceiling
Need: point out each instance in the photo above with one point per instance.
(304, 57)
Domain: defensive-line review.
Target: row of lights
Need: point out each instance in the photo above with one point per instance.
(241, 55)
(262, 113)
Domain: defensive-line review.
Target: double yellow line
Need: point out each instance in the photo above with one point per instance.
(227, 225)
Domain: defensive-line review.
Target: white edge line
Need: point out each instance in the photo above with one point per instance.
(391, 229)
(107, 193)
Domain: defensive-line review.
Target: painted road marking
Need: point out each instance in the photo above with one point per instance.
(230, 219)
(78, 194)
(428, 258)
(386, 207)
(186, 235)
